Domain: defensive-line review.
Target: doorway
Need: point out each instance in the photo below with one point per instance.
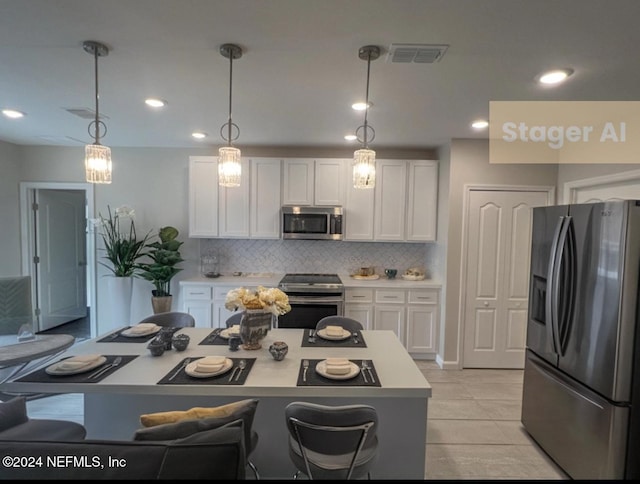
(58, 251)
(495, 276)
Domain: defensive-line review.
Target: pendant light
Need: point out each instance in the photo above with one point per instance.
(229, 168)
(97, 157)
(364, 159)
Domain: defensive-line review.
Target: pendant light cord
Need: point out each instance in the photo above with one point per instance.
(229, 124)
(366, 106)
(97, 127)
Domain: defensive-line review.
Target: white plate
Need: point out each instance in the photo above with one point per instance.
(323, 334)
(190, 369)
(56, 370)
(321, 369)
(129, 334)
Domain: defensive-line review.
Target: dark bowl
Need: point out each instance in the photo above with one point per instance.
(180, 341)
(156, 347)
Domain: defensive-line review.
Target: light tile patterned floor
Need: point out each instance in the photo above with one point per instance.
(474, 429)
(473, 426)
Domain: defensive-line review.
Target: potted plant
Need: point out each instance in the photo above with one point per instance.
(123, 249)
(165, 255)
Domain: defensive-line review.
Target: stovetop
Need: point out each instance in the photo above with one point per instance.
(311, 283)
(311, 279)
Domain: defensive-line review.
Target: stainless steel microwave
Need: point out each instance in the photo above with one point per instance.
(312, 223)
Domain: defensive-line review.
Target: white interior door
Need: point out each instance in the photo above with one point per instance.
(61, 249)
(497, 280)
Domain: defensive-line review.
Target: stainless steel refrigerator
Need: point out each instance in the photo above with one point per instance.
(581, 387)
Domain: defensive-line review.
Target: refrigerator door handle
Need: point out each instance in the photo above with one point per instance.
(551, 302)
(568, 241)
(562, 309)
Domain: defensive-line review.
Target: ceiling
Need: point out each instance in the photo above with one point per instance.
(300, 71)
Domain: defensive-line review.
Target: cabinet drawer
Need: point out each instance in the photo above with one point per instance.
(358, 295)
(220, 293)
(383, 296)
(423, 296)
(197, 292)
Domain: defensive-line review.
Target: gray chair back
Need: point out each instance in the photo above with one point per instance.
(15, 304)
(233, 319)
(332, 442)
(347, 323)
(173, 319)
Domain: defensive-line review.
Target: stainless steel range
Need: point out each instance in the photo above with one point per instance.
(312, 297)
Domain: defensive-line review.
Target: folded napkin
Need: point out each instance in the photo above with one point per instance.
(337, 366)
(235, 329)
(142, 328)
(77, 362)
(334, 330)
(210, 364)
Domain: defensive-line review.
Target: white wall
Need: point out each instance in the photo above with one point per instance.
(151, 181)
(10, 210)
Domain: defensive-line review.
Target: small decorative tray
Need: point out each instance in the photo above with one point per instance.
(372, 277)
(411, 277)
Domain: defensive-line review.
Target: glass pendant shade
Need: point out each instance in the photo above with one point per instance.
(97, 163)
(364, 168)
(229, 167)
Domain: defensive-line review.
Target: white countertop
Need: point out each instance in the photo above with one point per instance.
(397, 372)
(273, 279)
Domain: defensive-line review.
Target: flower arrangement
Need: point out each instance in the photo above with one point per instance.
(270, 299)
(121, 244)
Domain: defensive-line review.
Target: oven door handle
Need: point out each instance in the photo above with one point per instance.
(314, 300)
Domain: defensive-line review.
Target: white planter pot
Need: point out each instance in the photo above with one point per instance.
(120, 290)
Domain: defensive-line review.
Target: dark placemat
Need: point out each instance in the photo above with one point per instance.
(118, 338)
(41, 376)
(314, 379)
(326, 343)
(182, 378)
(214, 338)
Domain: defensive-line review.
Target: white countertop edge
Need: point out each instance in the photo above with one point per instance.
(347, 281)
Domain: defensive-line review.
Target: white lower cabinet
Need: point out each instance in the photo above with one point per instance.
(220, 313)
(198, 302)
(412, 314)
(206, 304)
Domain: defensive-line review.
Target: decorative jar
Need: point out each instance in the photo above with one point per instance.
(254, 326)
(279, 350)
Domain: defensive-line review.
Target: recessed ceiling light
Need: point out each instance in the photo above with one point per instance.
(350, 137)
(480, 124)
(12, 113)
(199, 135)
(361, 106)
(155, 102)
(554, 77)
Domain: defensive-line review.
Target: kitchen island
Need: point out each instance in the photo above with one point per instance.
(113, 405)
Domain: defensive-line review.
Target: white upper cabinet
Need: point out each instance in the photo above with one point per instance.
(265, 198)
(298, 182)
(401, 208)
(251, 210)
(203, 196)
(358, 212)
(233, 209)
(422, 201)
(309, 182)
(390, 200)
(329, 184)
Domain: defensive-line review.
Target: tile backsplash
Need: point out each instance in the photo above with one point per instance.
(318, 256)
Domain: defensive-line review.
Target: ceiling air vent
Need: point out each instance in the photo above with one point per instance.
(416, 53)
(85, 113)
